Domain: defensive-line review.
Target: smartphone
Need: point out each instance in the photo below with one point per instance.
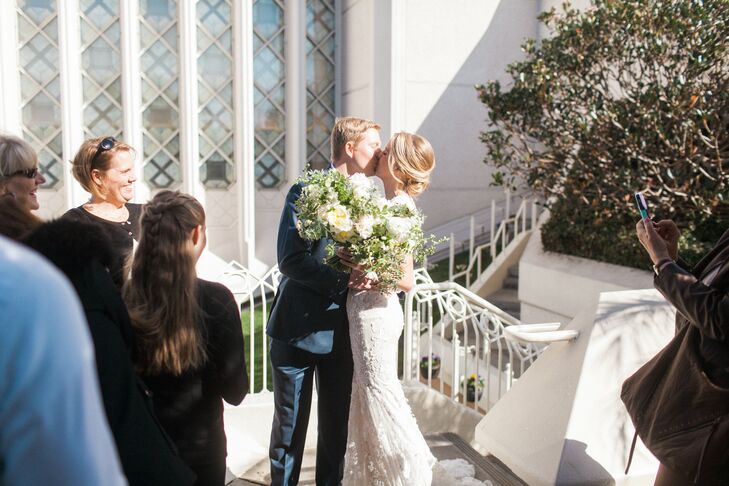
(642, 205)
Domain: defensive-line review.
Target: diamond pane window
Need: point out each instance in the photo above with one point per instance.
(40, 85)
(320, 80)
(160, 93)
(101, 68)
(215, 93)
(268, 92)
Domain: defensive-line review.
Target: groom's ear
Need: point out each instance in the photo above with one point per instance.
(349, 149)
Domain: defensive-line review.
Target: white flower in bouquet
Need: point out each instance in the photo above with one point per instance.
(399, 227)
(382, 203)
(361, 185)
(365, 226)
(338, 218)
(312, 191)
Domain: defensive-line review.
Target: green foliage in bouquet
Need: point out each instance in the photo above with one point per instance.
(353, 215)
(624, 96)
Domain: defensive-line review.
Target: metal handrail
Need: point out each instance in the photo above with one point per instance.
(477, 340)
(540, 333)
(497, 235)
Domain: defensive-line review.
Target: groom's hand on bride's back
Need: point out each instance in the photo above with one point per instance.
(358, 280)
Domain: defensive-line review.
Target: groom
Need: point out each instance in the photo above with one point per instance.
(309, 330)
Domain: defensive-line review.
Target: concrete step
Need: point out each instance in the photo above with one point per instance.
(260, 474)
(511, 282)
(451, 446)
(507, 300)
(443, 446)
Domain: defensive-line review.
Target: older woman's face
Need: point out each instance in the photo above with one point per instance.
(24, 185)
(117, 182)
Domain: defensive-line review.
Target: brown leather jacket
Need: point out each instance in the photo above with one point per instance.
(704, 306)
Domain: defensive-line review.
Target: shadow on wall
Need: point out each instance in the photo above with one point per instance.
(457, 117)
(578, 468)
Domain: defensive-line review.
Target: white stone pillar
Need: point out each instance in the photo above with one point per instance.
(69, 51)
(10, 116)
(189, 142)
(132, 91)
(244, 135)
(295, 55)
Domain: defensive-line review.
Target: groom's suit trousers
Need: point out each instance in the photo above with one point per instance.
(309, 340)
(294, 372)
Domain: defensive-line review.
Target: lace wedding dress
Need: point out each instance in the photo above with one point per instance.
(384, 445)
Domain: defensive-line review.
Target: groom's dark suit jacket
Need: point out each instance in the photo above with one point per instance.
(308, 310)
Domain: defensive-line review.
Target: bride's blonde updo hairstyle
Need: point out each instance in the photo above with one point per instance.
(413, 156)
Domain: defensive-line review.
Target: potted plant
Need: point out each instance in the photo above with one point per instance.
(474, 387)
(434, 361)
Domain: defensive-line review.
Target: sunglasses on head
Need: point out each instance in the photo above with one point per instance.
(103, 146)
(29, 173)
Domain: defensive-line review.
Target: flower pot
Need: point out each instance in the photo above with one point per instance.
(471, 394)
(434, 371)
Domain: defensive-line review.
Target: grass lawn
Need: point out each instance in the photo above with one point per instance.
(439, 271)
(260, 338)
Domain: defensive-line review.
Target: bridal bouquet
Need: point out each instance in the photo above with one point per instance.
(350, 211)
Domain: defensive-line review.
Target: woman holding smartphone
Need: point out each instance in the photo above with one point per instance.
(700, 294)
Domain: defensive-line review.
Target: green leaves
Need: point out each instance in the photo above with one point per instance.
(626, 95)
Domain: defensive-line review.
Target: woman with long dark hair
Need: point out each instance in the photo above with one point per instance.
(190, 347)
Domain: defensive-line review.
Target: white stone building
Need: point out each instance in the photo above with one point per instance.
(229, 100)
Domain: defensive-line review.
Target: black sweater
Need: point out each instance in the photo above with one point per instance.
(121, 235)
(83, 252)
(190, 406)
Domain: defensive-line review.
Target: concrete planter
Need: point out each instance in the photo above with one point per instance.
(554, 287)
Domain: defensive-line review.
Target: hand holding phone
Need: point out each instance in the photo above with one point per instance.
(642, 205)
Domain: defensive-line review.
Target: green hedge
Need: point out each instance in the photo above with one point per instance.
(625, 96)
(613, 240)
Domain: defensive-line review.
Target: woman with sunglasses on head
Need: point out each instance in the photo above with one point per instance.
(19, 174)
(105, 168)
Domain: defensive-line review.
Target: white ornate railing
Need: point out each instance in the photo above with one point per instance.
(254, 294)
(469, 334)
(498, 238)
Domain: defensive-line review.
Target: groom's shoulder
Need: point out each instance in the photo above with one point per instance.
(295, 191)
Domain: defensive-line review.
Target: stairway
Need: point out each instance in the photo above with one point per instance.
(507, 298)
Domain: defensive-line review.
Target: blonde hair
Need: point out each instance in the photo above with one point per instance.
(15, 154)
(413, 156)
(348, 129)
(84, 163)
(161, 294)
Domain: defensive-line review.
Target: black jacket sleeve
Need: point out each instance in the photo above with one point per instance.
(705, 307)
(296, 259)
(228, 349)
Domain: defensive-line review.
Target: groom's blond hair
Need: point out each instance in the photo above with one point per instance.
(348, 129)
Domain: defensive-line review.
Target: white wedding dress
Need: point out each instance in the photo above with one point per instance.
(384, 445)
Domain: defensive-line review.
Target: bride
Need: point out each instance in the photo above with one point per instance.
(385, 446)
